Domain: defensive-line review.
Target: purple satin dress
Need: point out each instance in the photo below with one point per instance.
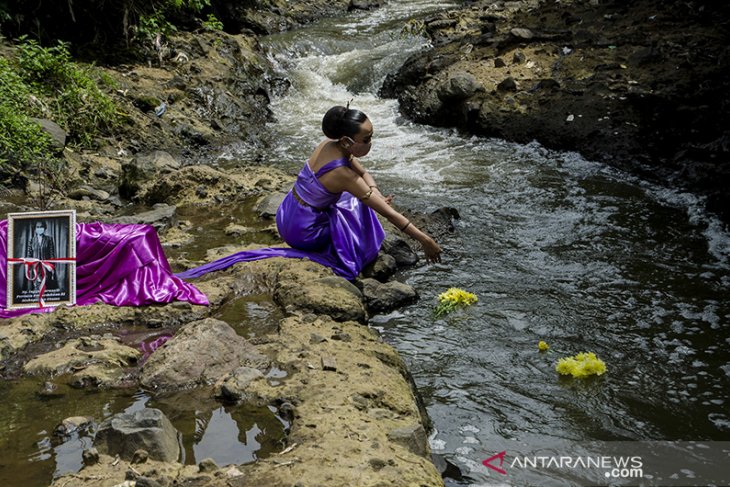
(121, 265)
(332, 229)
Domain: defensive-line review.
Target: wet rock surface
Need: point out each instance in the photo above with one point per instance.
(639, 85)
(199, 353)
(382, 297)
(347, 395)
(149, 429)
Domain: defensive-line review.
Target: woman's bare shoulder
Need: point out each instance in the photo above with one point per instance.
(325, 152)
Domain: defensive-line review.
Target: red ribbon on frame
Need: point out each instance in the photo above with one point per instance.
(35, 270)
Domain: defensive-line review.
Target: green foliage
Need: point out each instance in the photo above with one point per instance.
(43, 64)
(44, 82)
(150, 26)
(194, 5)
(154, 22)
(75, 100)
(13, 89)
(212, 23)
(21, 140)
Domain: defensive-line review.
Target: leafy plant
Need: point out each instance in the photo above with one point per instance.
(21, 140)
(150, 26)
(212, 23)
(72, 92)
(44, 82)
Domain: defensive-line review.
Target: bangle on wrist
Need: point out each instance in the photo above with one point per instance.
(372, 186)
(403, 228)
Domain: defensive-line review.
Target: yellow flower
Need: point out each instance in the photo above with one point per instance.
(457, 296)
(582, 365)
(453, 297)
(542, 346)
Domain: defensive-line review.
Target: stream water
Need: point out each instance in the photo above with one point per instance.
(557, 248)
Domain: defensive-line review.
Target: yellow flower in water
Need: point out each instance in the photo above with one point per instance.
(542, 346)
(582, 365)
(457, 296)
(453, 297)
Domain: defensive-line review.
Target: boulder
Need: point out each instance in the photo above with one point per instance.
(144, 168)
(202, 352)
(400, 250)
(234, 230)
(125, 433)
(301, 287)
(266, 207)
(381, 268)
(233, 387)
(459, 86)
(340, 283)
(508, 84)
(86, 191)
(57, 134)
(521, 33)
(364, 4)
(162, 217)
(387, 296)
(70, 425)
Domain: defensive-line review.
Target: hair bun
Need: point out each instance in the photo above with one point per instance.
(341, 121)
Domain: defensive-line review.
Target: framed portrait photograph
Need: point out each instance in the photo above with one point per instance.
(41, 259)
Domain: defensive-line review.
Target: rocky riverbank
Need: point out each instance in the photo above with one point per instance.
(352, 414)
(640, 85)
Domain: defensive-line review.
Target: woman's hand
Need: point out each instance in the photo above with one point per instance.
(388, 199)
(432, 250)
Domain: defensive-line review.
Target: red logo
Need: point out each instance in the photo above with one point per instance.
(499, 455)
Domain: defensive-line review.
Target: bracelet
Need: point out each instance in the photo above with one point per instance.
(405, 226)
(367, 195)
(373, 187)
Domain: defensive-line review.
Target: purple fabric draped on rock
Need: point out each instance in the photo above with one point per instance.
(332, 229)
(121, 265)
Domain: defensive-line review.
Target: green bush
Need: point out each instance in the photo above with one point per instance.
(150, 26)
(212, 23)
(21, 140)
(43, 82)
(76, 102)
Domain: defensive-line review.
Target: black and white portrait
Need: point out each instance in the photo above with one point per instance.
(41, 259)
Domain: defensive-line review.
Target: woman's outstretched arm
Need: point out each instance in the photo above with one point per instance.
(358, 186)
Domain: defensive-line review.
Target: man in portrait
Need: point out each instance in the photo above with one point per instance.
(42, 246)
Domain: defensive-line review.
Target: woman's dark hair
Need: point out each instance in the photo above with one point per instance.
(341, 122)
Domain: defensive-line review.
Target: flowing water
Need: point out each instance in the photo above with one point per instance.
(557, 248)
